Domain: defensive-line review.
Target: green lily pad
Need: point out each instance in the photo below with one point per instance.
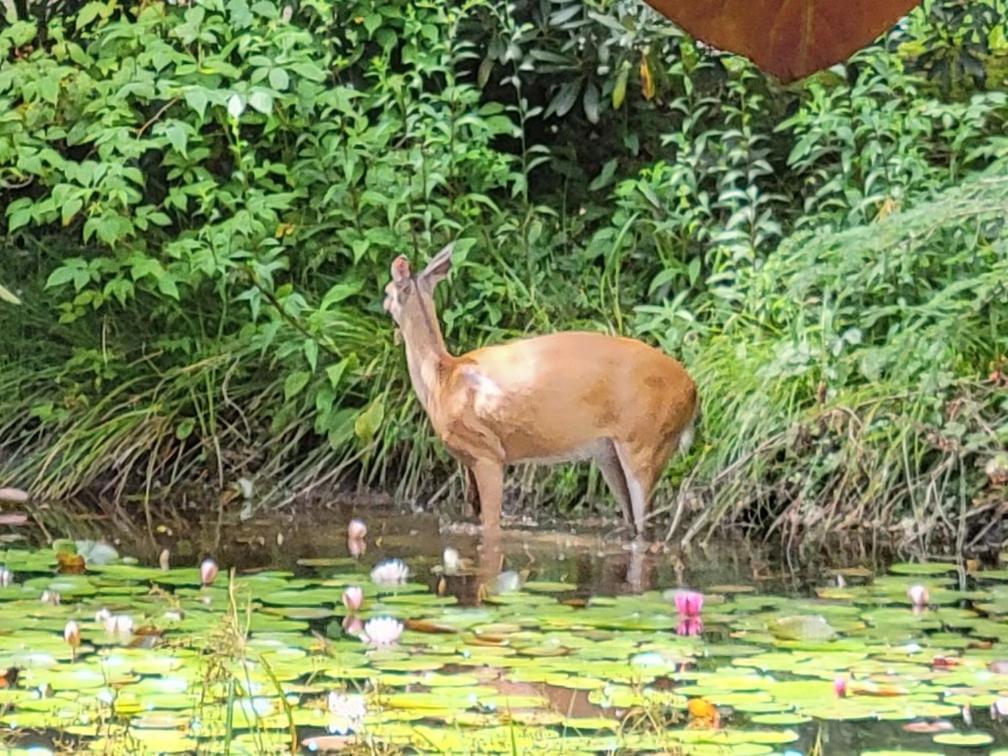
(963, 739)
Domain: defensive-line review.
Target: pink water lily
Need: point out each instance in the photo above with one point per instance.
(353, 598)
(356, 530)
(840, 687)
(357, 547)
(382, 631)
(689, 603)
(353, 625)
(918, 596)
(690, 626)
(208, 571)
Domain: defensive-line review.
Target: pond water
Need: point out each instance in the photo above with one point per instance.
(559, 641)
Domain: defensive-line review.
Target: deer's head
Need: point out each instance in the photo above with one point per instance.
(407, 295)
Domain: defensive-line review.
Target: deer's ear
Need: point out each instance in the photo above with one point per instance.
(439, 266)
(400, 269)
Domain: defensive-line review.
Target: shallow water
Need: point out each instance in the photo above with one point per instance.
(568, 641)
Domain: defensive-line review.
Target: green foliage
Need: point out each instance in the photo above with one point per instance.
(201, 202)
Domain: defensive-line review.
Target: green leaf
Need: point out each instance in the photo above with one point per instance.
(89, 13)
(18, 218)
(279, 79)
(605, 176)
(196, 98)
(619, 90)
(145, 266)
(295, 383)
(48, 87)
(62, 275)
(70, 208)
(369, 421)
(177, 136)
(262, 101)
(185, 429)
(311, 353)
(591, 102)
(166, 285)
(335, 372)
(8, 296)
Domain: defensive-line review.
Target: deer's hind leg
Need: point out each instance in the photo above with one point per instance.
(612, 472)
(642, 466)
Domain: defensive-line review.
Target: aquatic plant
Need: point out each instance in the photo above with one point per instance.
(353, 598)
(356, 530)
(918, 596)
(199, 302)
(208, 571)
(689, 603)
(382, 631)
(390, 572)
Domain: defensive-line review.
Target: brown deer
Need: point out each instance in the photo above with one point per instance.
(550, 399)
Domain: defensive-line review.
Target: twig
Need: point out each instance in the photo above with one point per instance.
(156, 116)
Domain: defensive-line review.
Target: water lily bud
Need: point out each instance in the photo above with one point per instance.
(918, 596)
(208, 571)
(357, 547)
(690, 626)
(451, 560)
(164, 560)
(71, 634)
(356, 530)
(6, 577)
(689, 603)
(840, 687)
(353, 598)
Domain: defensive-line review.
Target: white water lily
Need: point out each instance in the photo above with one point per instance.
(348, 711)
(999, 709)
(390, 572)
(6, 577)
(118, 624)
(382, 631)
(451, 560)
(71, 634)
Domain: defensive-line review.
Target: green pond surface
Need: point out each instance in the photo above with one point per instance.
(544, 643)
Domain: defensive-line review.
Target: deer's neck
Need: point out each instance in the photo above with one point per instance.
(425, 350)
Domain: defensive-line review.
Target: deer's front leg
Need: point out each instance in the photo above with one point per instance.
(490, 481)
